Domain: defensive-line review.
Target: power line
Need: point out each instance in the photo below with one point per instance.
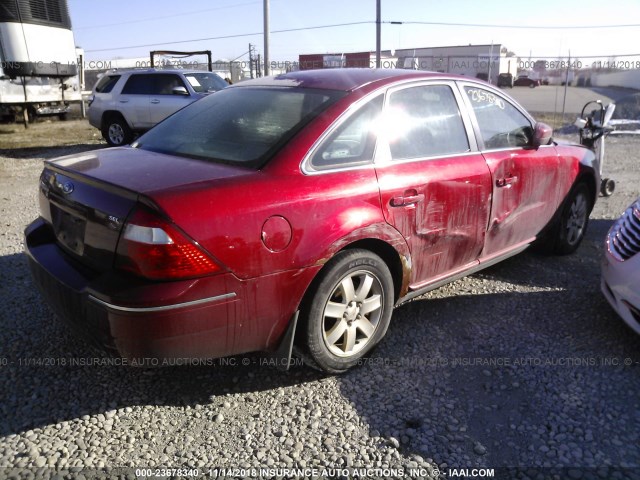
(519, 27)
(238, 35)
(230, 36)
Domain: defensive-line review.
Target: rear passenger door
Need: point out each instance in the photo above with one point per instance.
(435, 186)
(133, 101)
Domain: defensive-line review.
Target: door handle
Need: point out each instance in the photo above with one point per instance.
(155, 100)
(506, 181)
(124, 101)
(410, 198)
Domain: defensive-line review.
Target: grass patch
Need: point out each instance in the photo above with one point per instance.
(48, 133)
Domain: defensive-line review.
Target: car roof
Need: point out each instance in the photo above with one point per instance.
(346, 79)
(115, 71)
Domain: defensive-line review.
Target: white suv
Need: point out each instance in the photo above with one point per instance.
(124, 103)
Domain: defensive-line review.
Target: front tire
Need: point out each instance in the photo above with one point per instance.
(350, 310)
(572, 225)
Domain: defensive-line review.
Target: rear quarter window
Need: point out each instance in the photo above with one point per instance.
(106, 83)
(353, 142)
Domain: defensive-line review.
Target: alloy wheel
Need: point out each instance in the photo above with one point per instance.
(352, 313)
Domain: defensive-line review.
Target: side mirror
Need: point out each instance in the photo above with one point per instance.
(179, 91)
(542, 134)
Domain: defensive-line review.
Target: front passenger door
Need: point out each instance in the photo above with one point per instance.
(163, 102)
(133, 102)
(527, 182)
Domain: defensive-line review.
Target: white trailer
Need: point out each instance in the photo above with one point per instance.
(38, 60)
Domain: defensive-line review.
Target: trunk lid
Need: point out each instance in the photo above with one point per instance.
(87, 198)
(143, 171)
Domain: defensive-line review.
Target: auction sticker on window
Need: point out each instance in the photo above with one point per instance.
(478, 95)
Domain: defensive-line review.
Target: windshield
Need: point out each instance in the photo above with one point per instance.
(240, 126)
(205, 82)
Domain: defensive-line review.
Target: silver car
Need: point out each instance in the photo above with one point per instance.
(621, 266)
(124, 103)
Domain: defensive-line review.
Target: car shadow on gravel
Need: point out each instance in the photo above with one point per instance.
(525, 365)
(501, 380)
(50, 152)
(50, 376)
(533, 266)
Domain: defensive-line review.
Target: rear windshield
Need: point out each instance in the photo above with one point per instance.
(239, 126)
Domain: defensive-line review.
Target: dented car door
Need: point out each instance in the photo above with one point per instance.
(435, 186)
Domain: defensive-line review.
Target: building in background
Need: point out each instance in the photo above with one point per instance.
(477, 61)
(314, 61)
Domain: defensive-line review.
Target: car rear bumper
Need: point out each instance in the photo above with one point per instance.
(140, 320)
(620, 286)
(95, 117)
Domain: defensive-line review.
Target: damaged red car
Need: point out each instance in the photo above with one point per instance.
(295, 212)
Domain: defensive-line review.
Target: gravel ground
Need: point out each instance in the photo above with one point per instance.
(523, 365)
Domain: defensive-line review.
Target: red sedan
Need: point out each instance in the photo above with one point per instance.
(297, 211)
(525, 81)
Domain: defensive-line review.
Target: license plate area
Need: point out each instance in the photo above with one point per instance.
(69, 229)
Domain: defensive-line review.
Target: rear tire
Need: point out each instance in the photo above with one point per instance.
(349, 311)
(116, 131)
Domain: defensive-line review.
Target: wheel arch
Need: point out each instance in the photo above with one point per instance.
(590, 180)
(545, 240)
(398, 263)
(112, 113)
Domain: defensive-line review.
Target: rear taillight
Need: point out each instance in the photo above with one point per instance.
(152, 247)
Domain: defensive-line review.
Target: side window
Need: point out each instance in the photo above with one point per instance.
(501, 124)
(164, 84)
(139, 85)
(353, 142)
(106, 83)
(423, 122)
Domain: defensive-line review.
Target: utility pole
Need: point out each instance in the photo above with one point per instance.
(566, 84)
(252, 61)
(378, 32)
(266, 38)
(490, 60)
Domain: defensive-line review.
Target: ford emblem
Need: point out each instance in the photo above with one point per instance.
(67, 188)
